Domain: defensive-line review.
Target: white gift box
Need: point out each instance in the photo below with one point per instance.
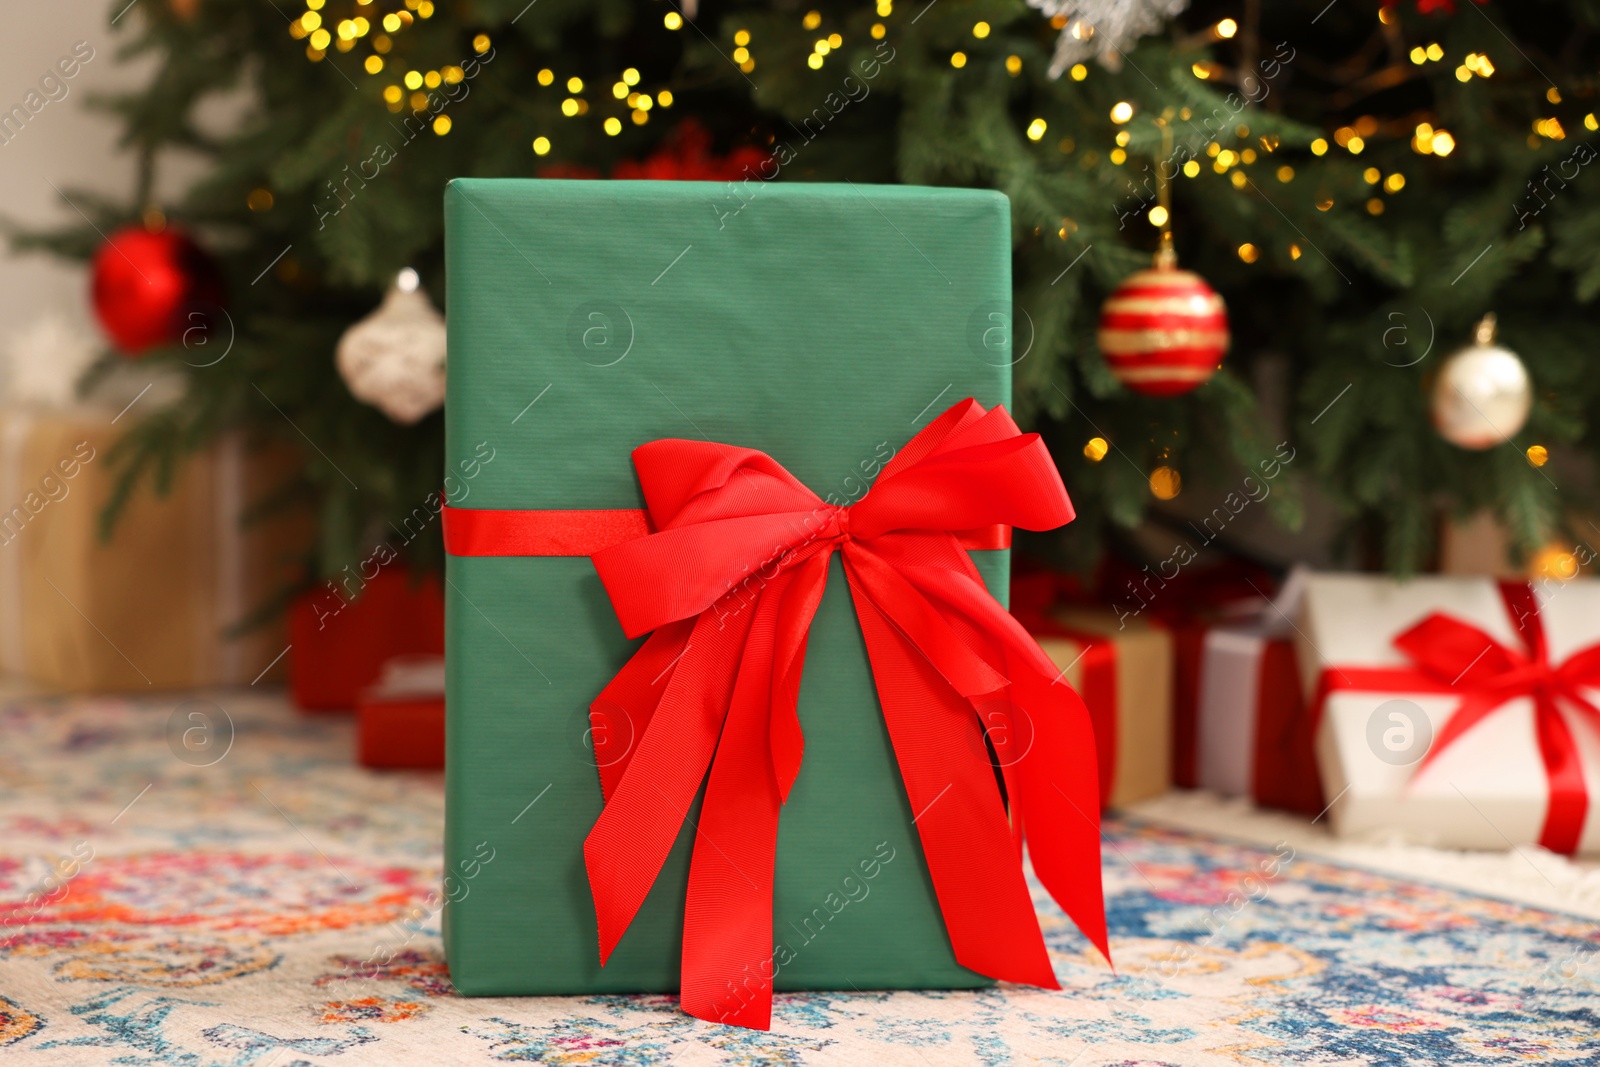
(1489, 789)
(1229, 701)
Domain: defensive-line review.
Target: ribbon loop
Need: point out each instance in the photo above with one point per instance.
(1457, 652)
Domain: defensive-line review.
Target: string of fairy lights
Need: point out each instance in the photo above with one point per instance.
(312, 27)
(322, 33)
(1426, 139)
(413, 87)
(376, 30)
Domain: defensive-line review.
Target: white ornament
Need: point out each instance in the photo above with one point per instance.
(1483, 394)
(394, 358)
(45, 361)
(1104, 29)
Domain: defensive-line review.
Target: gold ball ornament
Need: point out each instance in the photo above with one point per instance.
(1483, 393)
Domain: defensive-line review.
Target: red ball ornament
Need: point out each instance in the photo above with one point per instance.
(1164, 331)
(148, 288)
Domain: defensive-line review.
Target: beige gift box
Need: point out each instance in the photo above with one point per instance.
(148, 609)
(1143, 712)
(1489, 789)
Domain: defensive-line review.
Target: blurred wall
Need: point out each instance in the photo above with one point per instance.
(63, 143)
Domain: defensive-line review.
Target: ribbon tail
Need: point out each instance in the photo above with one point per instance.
(997, 717)
(1058, 792)
(1054, 760)
(955, 806)
(1569, 797)
(964, 655)
(796, 608)
(619, 716)
(728, 960)
(642, 818)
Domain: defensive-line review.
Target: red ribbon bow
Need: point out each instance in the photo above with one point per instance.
(1455, 657)
(727, 586)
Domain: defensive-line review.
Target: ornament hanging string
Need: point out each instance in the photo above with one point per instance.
(1166, 256)
(1483, 333)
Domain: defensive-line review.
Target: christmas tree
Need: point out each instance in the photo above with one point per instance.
(1362, 183)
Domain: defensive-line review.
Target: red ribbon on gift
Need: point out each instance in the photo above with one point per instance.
(1455, 657)
(727, 585)
(1032, 597)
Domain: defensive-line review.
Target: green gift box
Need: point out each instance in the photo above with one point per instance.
(821, 324)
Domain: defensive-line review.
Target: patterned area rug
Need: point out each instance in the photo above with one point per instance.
(211, 910)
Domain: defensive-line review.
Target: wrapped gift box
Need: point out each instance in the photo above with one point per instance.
(158, 605)
(1136, 648)
(400, 720)
(824, 326)
(1253, 736)
(1391, 664)
(1195, 601)
(346, 629)
(1124, 672)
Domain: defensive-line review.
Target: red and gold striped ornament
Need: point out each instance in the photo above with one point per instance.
(1164, 331)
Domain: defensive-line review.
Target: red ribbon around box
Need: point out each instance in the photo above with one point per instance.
(725, 573)
(1454, 657)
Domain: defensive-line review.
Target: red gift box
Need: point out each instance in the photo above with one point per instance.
(400, 721)
(341, 641)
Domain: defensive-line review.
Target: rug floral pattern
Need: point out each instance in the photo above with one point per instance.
(161, 910)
